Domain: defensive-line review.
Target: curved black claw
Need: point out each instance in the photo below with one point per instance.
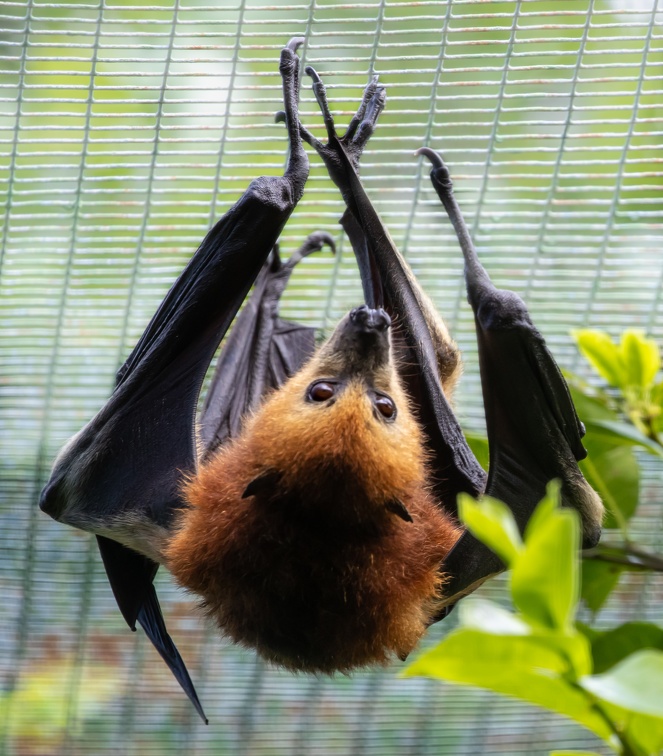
(360, 127)
(295, 43)
(314, 243)
(439, 168)
(369, 94)
(434, 157)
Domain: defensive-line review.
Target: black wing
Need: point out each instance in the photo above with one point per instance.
(120, 476)
(260, 352)
(534, 434)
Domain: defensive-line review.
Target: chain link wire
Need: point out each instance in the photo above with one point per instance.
(126, 129)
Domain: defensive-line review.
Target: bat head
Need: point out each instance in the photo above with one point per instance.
(345, 415)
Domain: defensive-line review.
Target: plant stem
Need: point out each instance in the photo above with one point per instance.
(627, 555)
(626, 748)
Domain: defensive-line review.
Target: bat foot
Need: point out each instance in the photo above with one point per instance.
(314, 243)
(297, 168)
(295, 43)
(350, 146)
(439, 168)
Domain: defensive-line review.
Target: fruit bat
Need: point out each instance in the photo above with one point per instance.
(321, 529)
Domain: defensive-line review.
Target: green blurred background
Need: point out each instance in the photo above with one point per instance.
(126, 128)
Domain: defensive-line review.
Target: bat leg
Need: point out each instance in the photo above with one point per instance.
(296, 171)
(359, 131)
(534, 433)
(430, 362)
(353, 142)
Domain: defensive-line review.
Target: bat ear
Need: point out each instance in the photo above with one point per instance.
(264, 483)
(398, 508)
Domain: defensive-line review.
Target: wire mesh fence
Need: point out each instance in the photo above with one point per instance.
(126, 129)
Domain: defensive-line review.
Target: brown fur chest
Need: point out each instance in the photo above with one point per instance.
(321, 579)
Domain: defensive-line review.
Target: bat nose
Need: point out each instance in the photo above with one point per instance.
(370, 320)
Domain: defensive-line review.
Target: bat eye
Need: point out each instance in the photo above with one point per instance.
(321, 391)
(385, 407)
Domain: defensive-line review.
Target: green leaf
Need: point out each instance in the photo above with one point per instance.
(605, 426)
(574, 753)
(479, 446)
(610, 647)
(635, 684)
(603, 354)
(544, 579)
(598, 580)
(646, 731)
(492, 523)
(590, 408)
(618, 433)
(485, 615)
(525, 667)
(544, 509)
(640, 357)
(614, 473)
(489, 617)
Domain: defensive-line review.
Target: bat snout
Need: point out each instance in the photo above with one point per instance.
(365, 319)
(361, 341)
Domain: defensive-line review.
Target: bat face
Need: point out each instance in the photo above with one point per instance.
(345, 413)
(292, 528)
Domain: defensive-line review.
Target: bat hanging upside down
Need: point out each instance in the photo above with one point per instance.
(314, 536)
(317, 525)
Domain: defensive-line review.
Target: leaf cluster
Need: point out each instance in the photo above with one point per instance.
(609, 682)
(620, 418)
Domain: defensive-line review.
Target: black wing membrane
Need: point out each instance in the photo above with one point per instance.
(534, 434)
(120, 476)
(260, 352)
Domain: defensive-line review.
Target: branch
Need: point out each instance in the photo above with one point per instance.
(627, 555)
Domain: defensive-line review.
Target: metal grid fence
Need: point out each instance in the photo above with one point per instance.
(125, 130)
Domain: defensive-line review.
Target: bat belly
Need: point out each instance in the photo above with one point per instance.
(305, 579)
